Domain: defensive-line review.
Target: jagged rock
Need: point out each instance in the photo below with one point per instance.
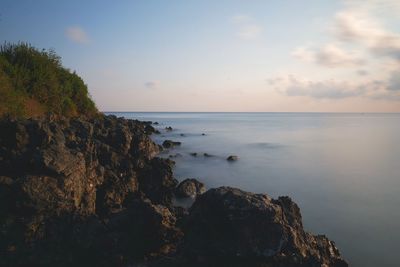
(157, 181)
(232, 158)
(168, 129)
(56, 173)
(144, 229)
(190, 188)
(170, 144)
(234, 227)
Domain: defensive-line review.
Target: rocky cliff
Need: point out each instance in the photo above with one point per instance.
(77, 191)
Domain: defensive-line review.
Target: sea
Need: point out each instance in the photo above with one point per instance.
(342, 169)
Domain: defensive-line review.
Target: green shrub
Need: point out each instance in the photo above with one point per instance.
(34, 82)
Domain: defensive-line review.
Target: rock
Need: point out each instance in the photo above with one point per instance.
(144, 229)
(207, 155)
(182, 134)
(61, 179)
(190, 188)
(170, 144)
(194, 154)
(235, 227)
(157, 181)
(155, 123)
(168, 129)
(203, 134)
(177, 155)
(232, 158)
(91, 191)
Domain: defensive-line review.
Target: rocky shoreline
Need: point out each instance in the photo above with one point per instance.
(93, 192)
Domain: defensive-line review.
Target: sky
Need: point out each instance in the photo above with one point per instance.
(255, 56)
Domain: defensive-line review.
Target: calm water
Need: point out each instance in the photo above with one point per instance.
(342, 169)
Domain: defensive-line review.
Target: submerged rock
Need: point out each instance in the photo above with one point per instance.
(190, 188)
(232, 158)
(177, 155)
(193, 154)
(238, 228)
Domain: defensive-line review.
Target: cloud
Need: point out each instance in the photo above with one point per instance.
(77, 35)
(362, 72)
(356, 28)
(329, 56)
(336, 89)
(328, 89)
(394, 81)
(360, 27)
(381, 7)
(247, 28)
(152, 84)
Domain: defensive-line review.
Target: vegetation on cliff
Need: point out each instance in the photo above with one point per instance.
(33, 82)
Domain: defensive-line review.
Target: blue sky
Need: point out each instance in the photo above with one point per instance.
(326, 55)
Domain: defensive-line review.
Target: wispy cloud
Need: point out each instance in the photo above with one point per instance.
(152, 84)
(337, 89)
(394, 81)
(329, 55)
(247, 28)
(355, 28)
(360, 27)
(77, 35)
(325, 89)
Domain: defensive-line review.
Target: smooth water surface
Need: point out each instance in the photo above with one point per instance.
(342, 169)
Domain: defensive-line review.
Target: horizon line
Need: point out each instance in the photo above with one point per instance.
(328, 112)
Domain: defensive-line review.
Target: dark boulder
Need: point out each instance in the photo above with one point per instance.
(190, 188)
(231, 226)
(157, 181)
(177, 155)
(170, 144)
(232, 158)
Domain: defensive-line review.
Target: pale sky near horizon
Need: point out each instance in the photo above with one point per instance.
(278, 55)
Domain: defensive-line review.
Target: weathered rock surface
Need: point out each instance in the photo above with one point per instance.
(62, 177)
(237, 228)
(190, 188)
(90, 192)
